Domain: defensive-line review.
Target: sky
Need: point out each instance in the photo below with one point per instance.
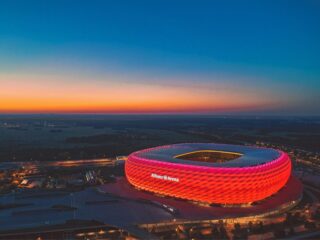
(212, 57)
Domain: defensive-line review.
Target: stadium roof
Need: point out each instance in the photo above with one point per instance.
(246, 156)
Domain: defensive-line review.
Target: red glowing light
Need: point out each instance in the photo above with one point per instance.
(209, 184)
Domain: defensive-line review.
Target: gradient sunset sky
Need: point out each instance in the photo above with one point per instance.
(243, 57)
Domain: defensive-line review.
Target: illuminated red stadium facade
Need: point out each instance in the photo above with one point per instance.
(211, 173)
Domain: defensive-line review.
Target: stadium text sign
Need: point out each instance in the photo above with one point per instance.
(164, 177)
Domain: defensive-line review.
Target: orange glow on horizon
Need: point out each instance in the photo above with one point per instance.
(55, 94)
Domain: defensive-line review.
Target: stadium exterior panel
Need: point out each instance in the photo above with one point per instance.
(211, 173)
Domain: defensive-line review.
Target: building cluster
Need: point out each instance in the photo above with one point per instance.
(53, 175)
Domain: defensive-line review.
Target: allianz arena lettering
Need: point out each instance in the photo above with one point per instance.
(164, 177)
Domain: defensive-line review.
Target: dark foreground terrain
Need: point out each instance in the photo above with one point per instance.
(61, 137)
(48, 190)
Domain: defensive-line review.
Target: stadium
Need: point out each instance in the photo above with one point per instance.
(210, 173)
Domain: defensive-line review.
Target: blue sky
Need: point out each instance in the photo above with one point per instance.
(268, 47)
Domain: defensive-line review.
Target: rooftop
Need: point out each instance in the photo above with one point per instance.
(211, 154)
